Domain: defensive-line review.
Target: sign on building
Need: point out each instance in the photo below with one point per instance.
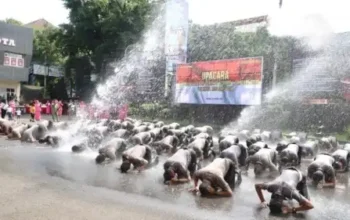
(14, 60)
(7, 42)
(48, 71)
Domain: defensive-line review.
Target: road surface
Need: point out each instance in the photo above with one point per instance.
(43, 183)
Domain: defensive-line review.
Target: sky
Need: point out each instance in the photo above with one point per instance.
(333, 14)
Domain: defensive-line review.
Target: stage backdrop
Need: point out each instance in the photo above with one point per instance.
(220, 82)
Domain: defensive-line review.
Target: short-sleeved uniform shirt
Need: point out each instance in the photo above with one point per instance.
(198, 145)
(215, 173)
(286, 184)
(263, 156)
(111, 148)
(324, 163)
(341, 155)
(136, 154)
(179, 162)
(232, 153)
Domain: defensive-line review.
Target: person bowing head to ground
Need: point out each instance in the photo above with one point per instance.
(290, 185)
(179, 167)
(140, 156)
(218, 178)
(321, 171)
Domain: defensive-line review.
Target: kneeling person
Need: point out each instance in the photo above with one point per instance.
(179, 167)
(111, 150)
(218, 178)
(139, 156)
(291, 184)
(263, 159)
(321, 169)
(342, 160)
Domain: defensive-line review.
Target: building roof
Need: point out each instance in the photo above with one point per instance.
(245, 25)
(39, 24)
(252, 20)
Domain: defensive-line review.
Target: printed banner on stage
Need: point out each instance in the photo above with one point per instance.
(220, 82)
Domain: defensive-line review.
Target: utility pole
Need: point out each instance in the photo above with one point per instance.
(45, 75)
(166, 87)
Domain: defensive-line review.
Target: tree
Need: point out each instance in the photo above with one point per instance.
(101, 27)
(13, 21)
(221, 41)
(99, 30)
(45, 47)
(47, 52)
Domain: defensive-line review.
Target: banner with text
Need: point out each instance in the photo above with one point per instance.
(220, 82)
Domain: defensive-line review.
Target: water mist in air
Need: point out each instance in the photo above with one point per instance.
(316, 34)
(138, 59)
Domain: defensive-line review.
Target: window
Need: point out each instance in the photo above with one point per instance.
(15, 60)
(10, 93)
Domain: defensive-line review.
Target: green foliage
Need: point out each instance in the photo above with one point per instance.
(46, 51)
(13, 21)
(221, 41)
(98, 30)
(150, 110)
(45, 47)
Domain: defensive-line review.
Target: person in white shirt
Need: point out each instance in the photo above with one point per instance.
(9, 112)
(18, 113)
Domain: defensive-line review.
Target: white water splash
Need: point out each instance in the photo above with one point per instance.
(315, 32)
(139, 59)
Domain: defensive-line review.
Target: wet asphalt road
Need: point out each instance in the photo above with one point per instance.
(145, 190)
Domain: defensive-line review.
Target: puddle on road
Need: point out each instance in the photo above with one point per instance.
(329, 203)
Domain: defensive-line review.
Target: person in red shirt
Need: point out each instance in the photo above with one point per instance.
(60, 108)
(48, 107)
(123, 112)
(12, 104)
(37, 115)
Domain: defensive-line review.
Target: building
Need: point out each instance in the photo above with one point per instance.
(250, 24)
(16, 50)
(39, 24)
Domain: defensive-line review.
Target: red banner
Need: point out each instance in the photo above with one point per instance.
(245, 69)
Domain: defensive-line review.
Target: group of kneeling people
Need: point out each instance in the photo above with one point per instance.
(223, 173)
(32, 132)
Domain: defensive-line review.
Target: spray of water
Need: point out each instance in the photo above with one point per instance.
(315, 34)
(139, 59)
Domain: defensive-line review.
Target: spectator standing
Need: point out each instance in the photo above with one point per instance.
(54, 109)
(32, 111)
(9, 112)
(4, 109)
(12, 104)
(123, 112)
(37, 115)
(48, 107)
(60, 109)
(18, 114)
